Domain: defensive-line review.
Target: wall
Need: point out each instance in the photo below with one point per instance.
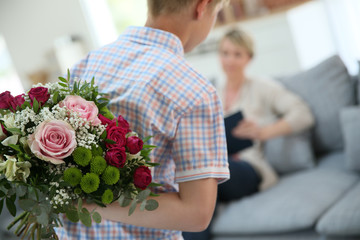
(31, 27)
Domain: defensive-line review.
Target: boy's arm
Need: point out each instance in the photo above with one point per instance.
(190, 209)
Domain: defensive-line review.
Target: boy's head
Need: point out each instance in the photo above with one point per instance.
(190, 20)
(160, 7)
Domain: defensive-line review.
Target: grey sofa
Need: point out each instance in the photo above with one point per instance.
(318, 195)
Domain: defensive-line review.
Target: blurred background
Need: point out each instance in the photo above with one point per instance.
(40, 39)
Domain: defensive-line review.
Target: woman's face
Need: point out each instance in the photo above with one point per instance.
(234, 58)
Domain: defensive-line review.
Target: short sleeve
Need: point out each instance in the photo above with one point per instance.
(199, 148)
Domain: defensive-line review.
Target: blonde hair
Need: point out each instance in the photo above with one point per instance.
(242, 39)
(158, 7)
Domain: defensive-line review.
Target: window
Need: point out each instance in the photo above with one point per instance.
(9, 80)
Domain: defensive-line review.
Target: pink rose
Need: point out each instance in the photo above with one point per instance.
(87, 109)
(53, 141)
(116, 157)
(5, 100)
(134, 144)
(40, 93)
(142, 177)
(117, 134)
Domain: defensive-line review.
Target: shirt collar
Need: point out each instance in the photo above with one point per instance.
(154, 37)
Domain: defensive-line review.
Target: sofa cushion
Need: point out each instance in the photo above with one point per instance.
(295, 203)
(327, 88)
(350, 123)
(334, 160)
(344, 217)
(290, 153)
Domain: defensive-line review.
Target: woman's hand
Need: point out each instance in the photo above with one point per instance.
(251, 130)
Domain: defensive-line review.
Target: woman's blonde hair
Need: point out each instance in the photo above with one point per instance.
(158, 7)
(242, 39)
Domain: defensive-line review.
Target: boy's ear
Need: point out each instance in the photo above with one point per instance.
(201, 8)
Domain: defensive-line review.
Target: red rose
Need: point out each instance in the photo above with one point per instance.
(40, 93)
(104, 120)
(134, 144)
(117, 134)
(116, 157)
(17, 101)
(5, 100)
(142, 177)
(123, 123)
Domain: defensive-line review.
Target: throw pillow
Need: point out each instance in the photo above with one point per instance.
(290, 153)
(350, 123)
(327, 88)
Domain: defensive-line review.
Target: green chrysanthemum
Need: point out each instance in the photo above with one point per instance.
(111, 175)
(98, 165)
(90, 182)
(107, 197)
(97, 151)
(72, 176)
(82, 156)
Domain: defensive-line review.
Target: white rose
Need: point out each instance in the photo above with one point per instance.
(9, 121)
(15, 170)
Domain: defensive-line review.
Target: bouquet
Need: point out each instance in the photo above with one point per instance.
(60, 145)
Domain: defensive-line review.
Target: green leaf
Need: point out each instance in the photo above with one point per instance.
(103, 135)
(72, 215)
(63, 85)
(85, 85)
(21, 190)
(43, 217)
(35, 105)
(147, 139)
(25, 105)
(68, 75)
(96, 217)
(79, 204)
(1, 205)
(55, 97)
(15, 147)
(151, 205)
(101, 105)
(123, 201)
(14, 130)
(132, 207)
(143, 195)
(27, 204)
(85, 218)
(153, 184)
(63, 79)
(11, 206)
(2, 194)
(143, 205)
(110, 141)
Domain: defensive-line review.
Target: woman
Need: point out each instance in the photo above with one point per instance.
(269, 111)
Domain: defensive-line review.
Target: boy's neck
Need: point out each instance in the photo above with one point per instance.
(176, 26)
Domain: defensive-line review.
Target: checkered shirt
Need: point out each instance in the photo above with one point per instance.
(152, 86)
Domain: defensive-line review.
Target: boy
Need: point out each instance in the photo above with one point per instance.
(151, 85)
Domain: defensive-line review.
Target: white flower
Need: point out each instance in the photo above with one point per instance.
(15, 170)
(10, 140)
(9, 120)
(2, 134)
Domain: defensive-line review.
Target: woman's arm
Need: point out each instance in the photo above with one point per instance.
(190, 209)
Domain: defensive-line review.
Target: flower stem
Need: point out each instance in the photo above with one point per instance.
(18, 218)
(21, 224)
(39, 232)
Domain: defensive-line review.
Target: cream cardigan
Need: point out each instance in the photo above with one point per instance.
(265, 101)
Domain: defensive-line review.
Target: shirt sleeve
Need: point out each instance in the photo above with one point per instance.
(290, 107)
(199, 148)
